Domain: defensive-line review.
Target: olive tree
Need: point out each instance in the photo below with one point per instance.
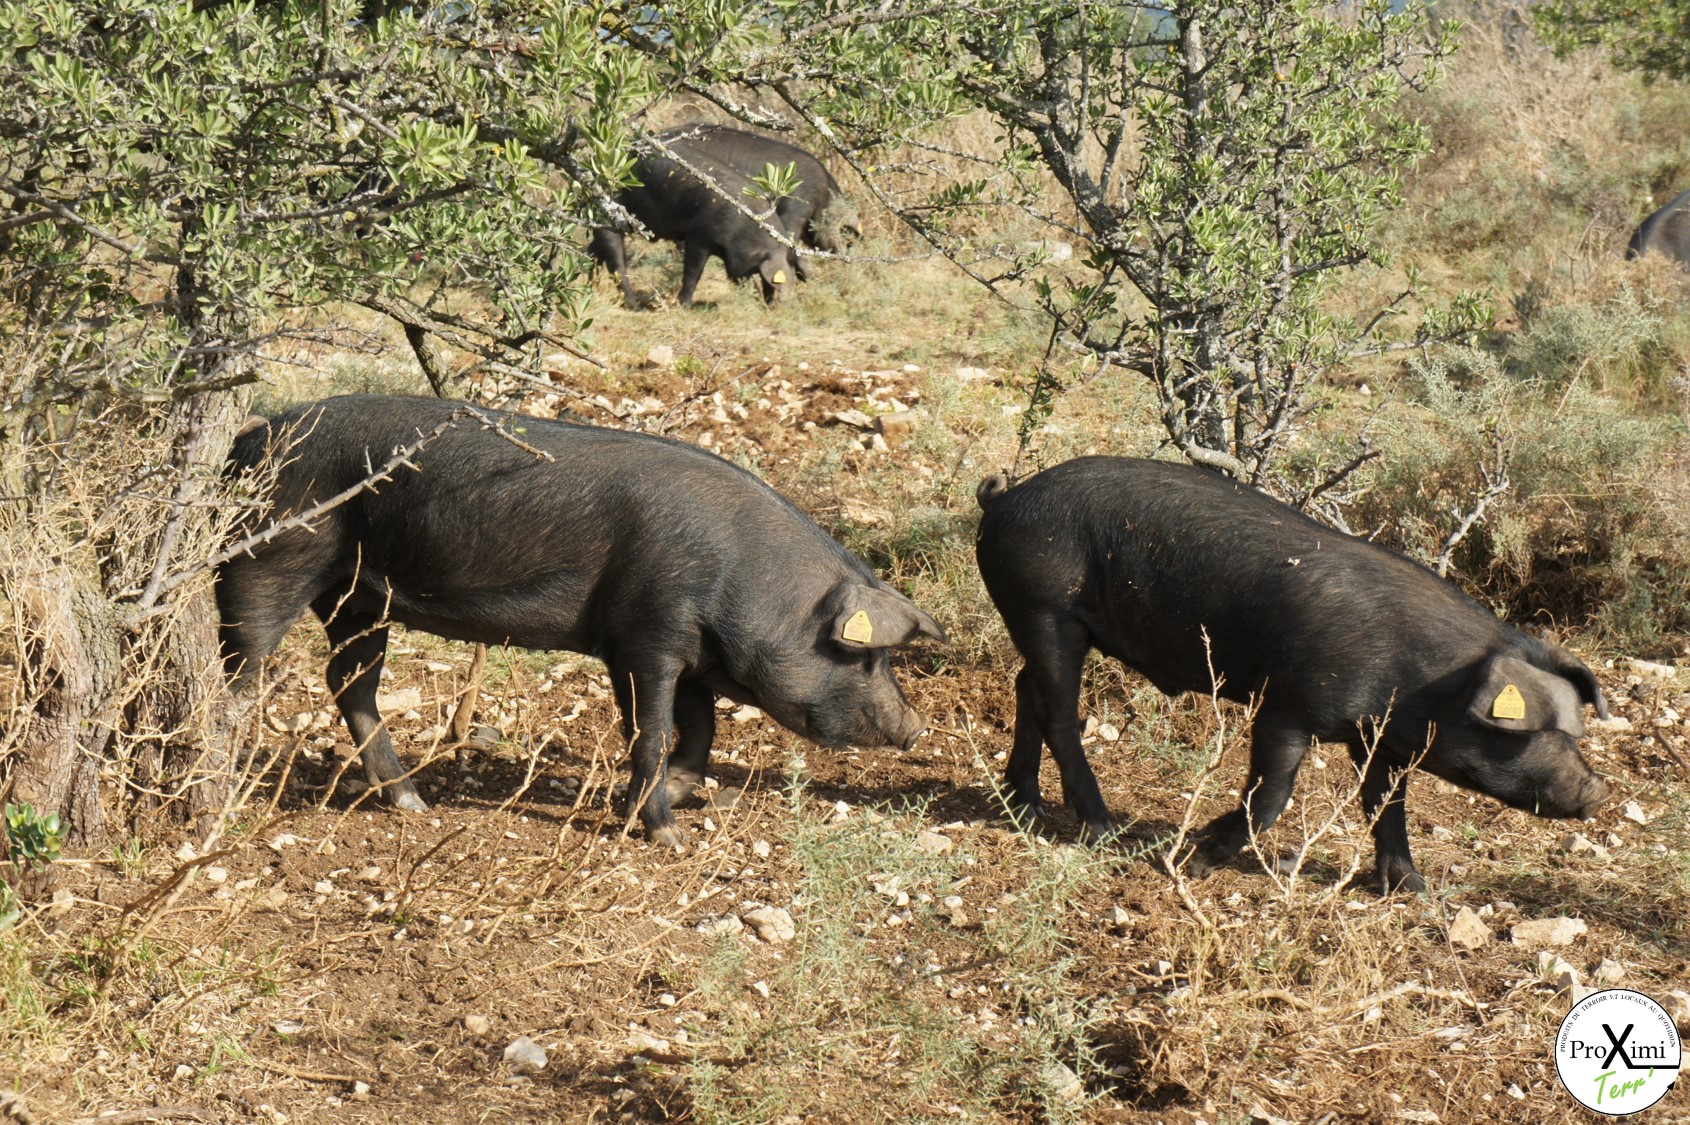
(1652, 37)
(190, 188)
(1221, 164)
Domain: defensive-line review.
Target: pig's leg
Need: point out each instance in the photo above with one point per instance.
(649, 697)
(256, 608)
(1383, 788)
(1056, 658)
(609, 249)
(695, 254)
(695, 718)
(1021, 775)
(360, 646)
(1276, 751)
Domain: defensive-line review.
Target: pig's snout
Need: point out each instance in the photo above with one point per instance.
(914, 726)
(1577, 797)
(1595, 795)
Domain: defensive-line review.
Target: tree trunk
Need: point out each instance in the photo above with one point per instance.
(114, 677)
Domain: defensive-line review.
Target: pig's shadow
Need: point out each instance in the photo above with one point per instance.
(1557, 891)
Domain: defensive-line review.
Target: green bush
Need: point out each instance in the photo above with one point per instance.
(1582, 535)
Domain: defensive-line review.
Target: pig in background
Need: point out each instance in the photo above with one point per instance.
(1667, 232)
(689, 577)
(1328, 633)
(674, 203)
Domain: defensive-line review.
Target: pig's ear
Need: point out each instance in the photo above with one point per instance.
(1582, 677)
(875, 617)
(1514, 695)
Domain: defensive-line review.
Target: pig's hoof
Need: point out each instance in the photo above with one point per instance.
(1400, 882)
(678, 787)
(669, 836)
(1025, 814)
(405, 797)
(1199, 857)
(1099, 835)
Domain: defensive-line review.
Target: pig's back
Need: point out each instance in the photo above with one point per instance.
(1153, 557)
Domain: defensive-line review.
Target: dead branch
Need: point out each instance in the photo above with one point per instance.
(310, 515)
(1496, 483)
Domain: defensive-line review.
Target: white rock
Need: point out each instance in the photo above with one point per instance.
(369, 874)
(645, 1043)
(1515, 1092)
(292, 725)
(760, 849)
(771, 923)
(215, 874)
(283, 840)
(726, 924)
(660, 355)
(1650, 668)
(1548, 931)
(973, 374)
(1615, 722)
(1608, 971)
(854, 418)
(477, 1025)
(323, 887)
(1574, 843)
(1468, 931)
(525, 1056)
(929, 842)
(287, 1027)
(1633, 812)
(1117, 916)
(1552, 968)
(1062, 1082)
(186, 852)
(183, 1072)
(360, 1091)
(1109, 732)
(404, 699)
(1678, 1007)
(841, 811)
(1091, 726)
(746, 714)
(1439, 832)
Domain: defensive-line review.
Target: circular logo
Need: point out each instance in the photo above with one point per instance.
(1617, 1052)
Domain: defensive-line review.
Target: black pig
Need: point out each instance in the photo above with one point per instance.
(1667, 232)
(816, 212)
(1330, 634)
(686, 575)
(674, 204)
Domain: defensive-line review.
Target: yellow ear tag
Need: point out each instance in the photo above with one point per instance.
(780, 277)
(1509, 704)
(859, 629)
